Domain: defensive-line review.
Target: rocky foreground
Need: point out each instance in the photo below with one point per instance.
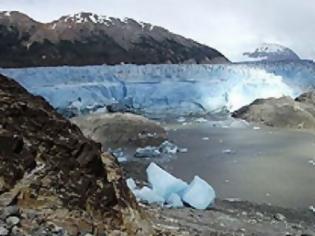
(53, 180)
(283, 112)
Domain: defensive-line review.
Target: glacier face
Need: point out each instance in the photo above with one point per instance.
(167, 89)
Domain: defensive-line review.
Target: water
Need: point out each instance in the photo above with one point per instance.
(264, 166)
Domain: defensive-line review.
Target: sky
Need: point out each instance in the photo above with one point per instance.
(230, 26)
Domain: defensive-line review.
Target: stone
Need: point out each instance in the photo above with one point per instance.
(9, 211)
(279, 217)
(12, 220)
(3, 231)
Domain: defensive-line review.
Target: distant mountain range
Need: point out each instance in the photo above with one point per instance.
(271, 52)
(88, 39)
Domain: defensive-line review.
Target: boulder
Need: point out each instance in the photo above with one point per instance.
(114, 130)
(281, 112)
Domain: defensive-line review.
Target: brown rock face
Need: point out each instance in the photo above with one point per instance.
(47, 163)
(281, 112)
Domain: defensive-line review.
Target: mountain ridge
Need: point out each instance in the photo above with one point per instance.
(87, 39)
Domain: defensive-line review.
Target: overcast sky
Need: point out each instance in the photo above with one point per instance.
(231, 26)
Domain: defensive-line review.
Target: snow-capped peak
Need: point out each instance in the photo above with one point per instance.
(271, 52)
(83, 17)
(270, 48)
(88, 17)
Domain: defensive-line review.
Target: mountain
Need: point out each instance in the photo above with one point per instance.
(272, 52)
(87, 39)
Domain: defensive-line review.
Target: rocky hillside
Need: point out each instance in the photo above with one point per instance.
(90, 39)
(281, 112)
(54, 179)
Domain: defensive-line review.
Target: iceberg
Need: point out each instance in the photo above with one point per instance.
(174, 201)
(131, 184)
(165, 189)
(148, 195)
(199, 194)
(163, 183)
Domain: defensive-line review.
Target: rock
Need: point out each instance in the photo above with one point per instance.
(279, 217)
(124, 129)
(16, 231)
(3, 231)
(48, 166)
(12, 221)
(9, 211)
(281, 112)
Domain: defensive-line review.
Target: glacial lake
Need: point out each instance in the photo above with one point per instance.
(267, 165)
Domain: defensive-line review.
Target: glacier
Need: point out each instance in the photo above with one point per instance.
(166, 89)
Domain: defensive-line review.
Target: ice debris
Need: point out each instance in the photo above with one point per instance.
(149, 151)
(165, 189)
(199, 194)
(163, 183)
(119, 154)
(165, 148)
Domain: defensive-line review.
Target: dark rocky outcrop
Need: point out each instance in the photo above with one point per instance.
(281, 112)
(90, 39)
(48, 167)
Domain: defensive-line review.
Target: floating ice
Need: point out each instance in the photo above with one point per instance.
(205, 138)
(183, 150)
(199, 194)
(168, 148)
(119, 154)
(201, 120)
(148, 151)
(165, 148)
(162, 182)
(227, 151)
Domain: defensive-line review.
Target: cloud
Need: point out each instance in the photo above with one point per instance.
(231, 26)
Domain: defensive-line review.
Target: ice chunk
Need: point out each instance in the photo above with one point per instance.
(199, 194)
(148, 195)
(201, 120)
(174, 201)
(205, 138)
(119, 154)
(181, 119)
(148, 151)
(168, 148)
(183, 150)
(163, 183)
(131, 184)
